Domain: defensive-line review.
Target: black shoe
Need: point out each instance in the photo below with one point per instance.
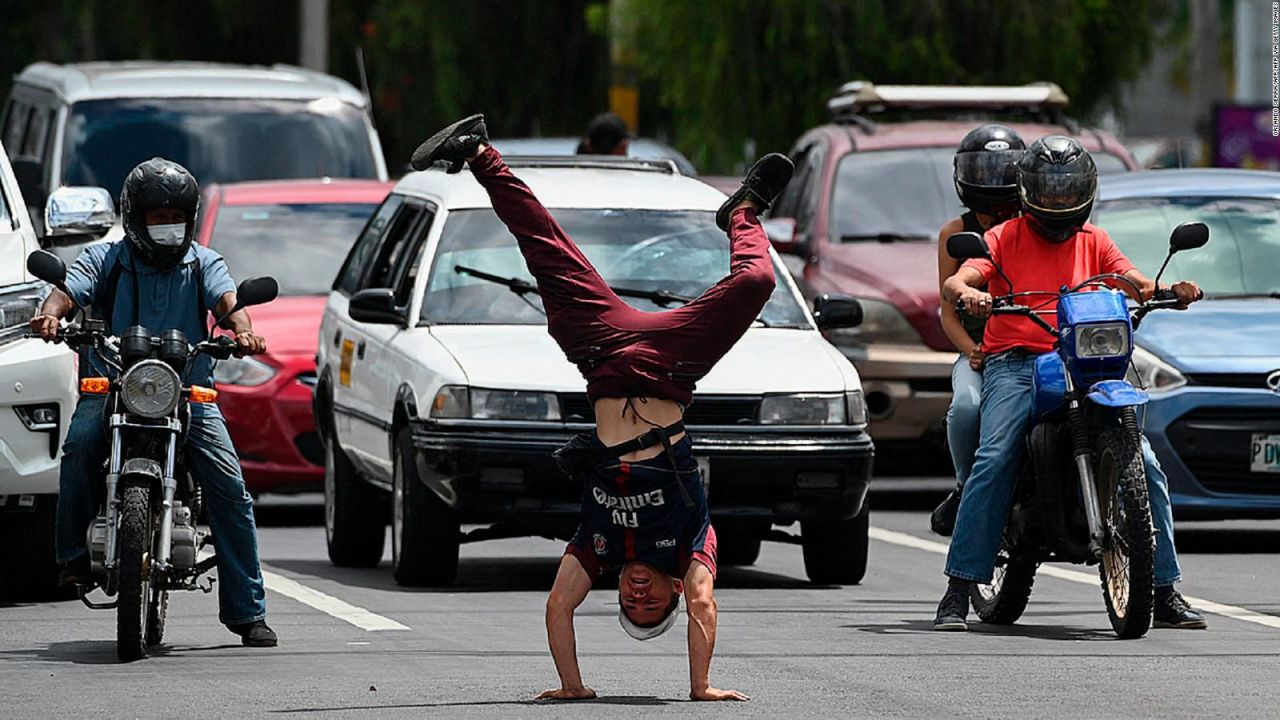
(1173, 611)
(78, 572)
(943, 519)
(453, 145)
(255, 634)
(953, 611)
(762, 185)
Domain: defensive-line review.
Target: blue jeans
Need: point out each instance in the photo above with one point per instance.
(963, 416)
(212, 460)
(988, 494)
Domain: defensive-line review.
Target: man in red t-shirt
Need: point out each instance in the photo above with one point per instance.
(1049, 246)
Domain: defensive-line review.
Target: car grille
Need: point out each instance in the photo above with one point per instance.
(1215, 445)
(1255, 381)
(308, 444)
(705, 410)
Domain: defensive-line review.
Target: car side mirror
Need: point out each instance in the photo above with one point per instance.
(1188, 236)
(836, 311)
(968, 246)
(781, 232)
(376, 306)
(71, 213)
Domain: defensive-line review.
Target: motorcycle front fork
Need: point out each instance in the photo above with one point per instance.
(1084, 471)
(168, 486)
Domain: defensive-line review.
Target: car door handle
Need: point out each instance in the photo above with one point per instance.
(360, 350)
(337, 339)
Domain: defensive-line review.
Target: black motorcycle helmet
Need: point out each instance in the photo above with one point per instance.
(985, 170)
(153, 184)
(1057, 182)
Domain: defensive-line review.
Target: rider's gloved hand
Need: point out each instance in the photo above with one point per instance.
(46, 326)
(976, 302)
(1187, 293)
(250, 343)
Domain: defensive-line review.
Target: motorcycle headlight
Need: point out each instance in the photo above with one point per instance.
(1153, 374)
(242, 371)
(803, 410)
(1103, 340)
(457, 401)
(881, 323)
(150, 389)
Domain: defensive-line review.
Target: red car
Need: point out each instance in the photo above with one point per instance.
(300, 232)
(861, 218)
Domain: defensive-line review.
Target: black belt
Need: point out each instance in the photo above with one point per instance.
(581, 454)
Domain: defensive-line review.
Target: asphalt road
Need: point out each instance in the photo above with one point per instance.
(478, 649)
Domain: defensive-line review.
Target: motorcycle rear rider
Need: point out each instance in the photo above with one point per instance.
(985, 171)
(158, 279)
(1051, 245)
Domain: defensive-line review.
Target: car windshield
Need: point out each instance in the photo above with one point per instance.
(1244, 240)
(218, 139)
(302, 246)
(680, 251)
(888, 195)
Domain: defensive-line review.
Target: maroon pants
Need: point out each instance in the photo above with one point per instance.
(622, 351)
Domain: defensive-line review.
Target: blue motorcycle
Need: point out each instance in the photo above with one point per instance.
(1082, 494)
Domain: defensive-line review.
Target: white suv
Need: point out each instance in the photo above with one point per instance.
(37, 397)
(439, 385)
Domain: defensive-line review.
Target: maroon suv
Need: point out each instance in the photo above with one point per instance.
(861, 218)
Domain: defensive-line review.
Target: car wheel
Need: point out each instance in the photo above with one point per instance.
(738, 549)
(28, 570)
(424, 531)
(354, 513)
(835, 553)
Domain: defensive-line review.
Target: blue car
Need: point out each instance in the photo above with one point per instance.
(1213, 372)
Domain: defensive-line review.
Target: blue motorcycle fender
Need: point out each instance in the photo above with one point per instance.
(1117, 394)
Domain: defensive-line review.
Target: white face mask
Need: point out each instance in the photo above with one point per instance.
(168, 235)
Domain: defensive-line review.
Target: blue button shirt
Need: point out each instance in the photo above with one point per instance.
(166, 299)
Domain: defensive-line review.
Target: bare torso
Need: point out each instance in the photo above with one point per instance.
(616, 423)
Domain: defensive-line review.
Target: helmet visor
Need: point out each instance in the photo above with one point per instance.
(1058, 192)
(988, 168)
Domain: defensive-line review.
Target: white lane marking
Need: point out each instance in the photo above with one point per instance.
(1236, 613)
(329, 604)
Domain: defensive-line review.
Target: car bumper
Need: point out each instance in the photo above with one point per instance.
(907, 388)
(489, 475)
(35, 373)
(274, 432)
(1202, 437)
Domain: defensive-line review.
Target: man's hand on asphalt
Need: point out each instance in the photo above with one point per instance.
(250, 343)
(46, 326)
(976, 302)
(582, 693)
(713, 694)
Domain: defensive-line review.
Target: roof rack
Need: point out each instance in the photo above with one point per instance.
(860, 97)
(595, 162)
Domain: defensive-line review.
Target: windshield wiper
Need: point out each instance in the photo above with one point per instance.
(522, 287)
(884, 237)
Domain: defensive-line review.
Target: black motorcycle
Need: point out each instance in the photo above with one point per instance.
(146, 539)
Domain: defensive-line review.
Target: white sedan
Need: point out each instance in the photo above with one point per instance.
(440, 395)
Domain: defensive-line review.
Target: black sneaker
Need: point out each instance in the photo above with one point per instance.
(943, 519)
(1173, 611)
(953, 611)
(255, 634)
(78, 572)
(763, 183)
(454, 144)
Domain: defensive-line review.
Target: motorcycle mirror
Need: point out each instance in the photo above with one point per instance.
(1188, 236)
(48, 267)
(252, 291)
(968, 246)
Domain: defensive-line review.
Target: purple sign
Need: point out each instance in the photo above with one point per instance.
(1243, 137)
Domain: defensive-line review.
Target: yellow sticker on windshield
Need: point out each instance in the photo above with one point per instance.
(344, 365)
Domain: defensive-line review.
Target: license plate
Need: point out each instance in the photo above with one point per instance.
(704, 469)
(1266, 453)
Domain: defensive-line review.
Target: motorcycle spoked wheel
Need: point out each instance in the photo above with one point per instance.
(1127, 569)
(1003, 601)
(134, 598)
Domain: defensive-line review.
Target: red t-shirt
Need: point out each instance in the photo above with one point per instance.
(1034, 263)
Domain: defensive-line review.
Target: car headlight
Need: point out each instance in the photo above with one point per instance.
(856, 407)
(242, 371)
(457, 401)
(1102, 340)
(150, 389)
(1153, 374)
(803, 410)
(881, 323)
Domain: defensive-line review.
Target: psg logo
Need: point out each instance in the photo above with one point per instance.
(601, 545)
